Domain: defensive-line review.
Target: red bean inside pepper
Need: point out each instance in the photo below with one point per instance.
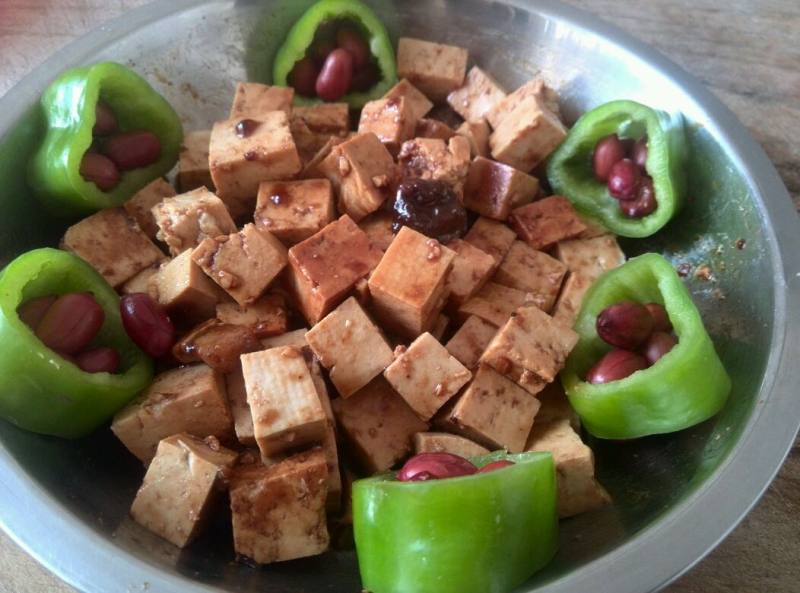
(607, 152)
(133, 150)
(499, 464)
(98, 360)
(71, 323)
(32, 312)
(625, 325)
(435, 466)
(657, 346)
(303, 77)
(334, 78)
(105, 122)
(661, 322)
(623, 179)
(614, 366)
(100, 170)
(644, 202)
(352, 42)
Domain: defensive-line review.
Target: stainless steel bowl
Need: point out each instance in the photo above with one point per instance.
(676, 496)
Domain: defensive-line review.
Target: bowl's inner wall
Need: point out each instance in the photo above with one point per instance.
(195, 56)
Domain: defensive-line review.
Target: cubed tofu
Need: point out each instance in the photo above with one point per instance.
(362, 172)
(189, 399)
(332, 119)
(378, 425)
(593, 228)
(378, 227)
(307, 142)
(361, 292)
(472, 268)
(184, 289)
(144, 281)
(296, 338)
(324, 268)
(493, 189)
(193, 168)
(471, 339)
(590, 258)
(494, 303)
(286, 408)
(479, 94)
(266, 317)
(527, 136)
(139, 207)
(113, 244)
(442, 442)
(534, 272)
(350, 346)
(432, 158)
(428, 127)
(477, 134)
(244, 263)
(243, 153)
(390, 120)
(536, 89)
(491, 237)
(416, 101)
(278, 511)
(294, 210)
(311, 169)
(495, 412)
(569, 300)
(240, 409)
(556, 406)
(408, 286)
(181, 487)
(217, 344)
(252, 100)
(546, 222)
(184, 221)
(440, 327)
(433, 68)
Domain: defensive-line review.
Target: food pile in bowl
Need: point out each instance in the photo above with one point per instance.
(381, 294)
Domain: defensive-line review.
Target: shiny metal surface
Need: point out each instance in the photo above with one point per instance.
(676, 496)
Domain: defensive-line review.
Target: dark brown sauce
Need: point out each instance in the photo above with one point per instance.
(246, 128)
(431, 208)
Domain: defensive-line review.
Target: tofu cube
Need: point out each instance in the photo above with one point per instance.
(440, 327)
(471, 339)
(556, 407)
(185, 291)
(442, 442)
(180, 487)
(296, 338)
(193, 169)
(378, 227)
(139, 207)
(426, 375)
(217, 344)
(477, 134)
(240, 409)
(331, 119)
(535, 89)
(329, 445)
(294, 210)
(472, 268)
(350, 346)
(546, 222)
(590, 258)
(188, 399)
(144, 281)
(278, 511)
(390, 120)
(311, 169)
(408, 286)
(569, 300)
(534, 272)
(491, 237)
(527, 135)
(184, 221)
(378, 425)
(416, 101)
(361, 292)
(432, 158)
(493, 189)
(479, 94)
(428, 127)
(266, 317)
(433, 68)
(494, 303)
(244, 263)
(252, 100)
(113, 244)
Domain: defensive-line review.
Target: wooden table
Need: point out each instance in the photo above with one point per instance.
(747, 53)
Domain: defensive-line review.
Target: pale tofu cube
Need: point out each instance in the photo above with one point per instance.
(472, 268)
(144, 281)
(590, 258)
(493, 189)
(266, 317)
(278, 511)
(527, 136)
(350, 346)
(217, 344)
(534, 272)
(193, 168)
(432, 158)
(477, 134)
(113, 244)
(296, 338)
(244, 263)
(442, 442)
(361, 292)
(332, 119)
(556, 406)
(378, 227)
(311, 169)
(329, 445)
(189, 399)
(307, 142)
(546, 222)
(433, 68)
(252, 100)
(390, 120)
(471, 339)
(569, 301)
(495, 412)
(428, 127)
(408, 287)
(180, 487)
(139, 207)
(294, 210)
(184, 221)
(491, 237)
(378, 425)
(494, 303)
(479, 94)
(416, 101)
(440, 327)
(184, 289)
(593, 228)
(535, 89)
(240, 409)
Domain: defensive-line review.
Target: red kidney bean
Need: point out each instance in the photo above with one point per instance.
(365, 78)
(100, 170)
(132, 150)
(435, 466)
(320, 52)
(105, 122)
(645, 202)
(661, 322)
(32, 312)
(98, 360)
(499, 464)
(639, 153)
(147, 324)
(71, 322)
(334, 79)
(625, 325)
(607, 152)
(303, 77)
(354, 43)
(657, 346)
(623, 180)
(615, 365)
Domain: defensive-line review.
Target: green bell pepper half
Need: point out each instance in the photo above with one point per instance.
(301, 37)
(571, 173)
(68, 106)
(485, 533)
(686, 386)
(39, 390)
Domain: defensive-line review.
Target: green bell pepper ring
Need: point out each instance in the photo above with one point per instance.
(301, 37)
(68, 106)
(485, 533)
(686, 386)
(571, 174)
(39, 390)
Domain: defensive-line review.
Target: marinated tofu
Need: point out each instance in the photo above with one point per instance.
(185, 291)
(391, 120)
(433, 158)
(139, 207)
(556, 406)
(295, 338)
(378, 227)
(533, 89)
(144, 281)
(433, 68)
(472, 268)
(240, 409)
(477, 134)
(479, 94)
(294, 210)
(546, 222)
(442, 442)
(217, 344)
(494, 303)
(469, 342)
(252, 99)
(417, 103)
(428, 127)
(534, 272)
(267, 316)
(493, 189)
(193, 168)
(492, 237)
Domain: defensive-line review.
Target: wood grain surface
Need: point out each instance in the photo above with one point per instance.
(746, 52)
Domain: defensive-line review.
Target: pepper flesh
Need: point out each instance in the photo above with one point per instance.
(301, 37)
(39, 390)
(571, 173)
(68, 106)
(686, 386)
(484, 533)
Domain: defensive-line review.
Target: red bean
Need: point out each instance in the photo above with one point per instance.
(334, 79)
(607, 152)
(98, 360)
(133, 150)
(657, 346)
(71, 322)
(639, 153)
(645, 202)
(320, 52)
(100, 170)
(623, 180)
(615, 365)
(661, 322)
(105, 122)
(366, 78)
(625, 325)
(354, 43)
(435, 466)
(32, 312)
(499, 464)
(147, 324)
(303, 77)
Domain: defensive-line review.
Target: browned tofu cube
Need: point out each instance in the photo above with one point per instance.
(417, 103)
(494, 303)
(252, 99)
(362, 172)
(266, 317)
(243, 263)
(279, 511)
(433, 128)
(442, 442)
(311, 169)
(440, 327)
(533, 272)
(593, 228)
(471, 270)
(495, 412)
(478, 95)
(433, 68)
(547, 221)
(332, 119)
(144, 281)
(471, 339)
(378, 227)
(185, 291)
(188, 399)
(590, 258)
(432, 158)
(217, 344)
(294, 210)
(184, 221)
(556, 407)
(527, 135)
(326, 266)
(494, 189)
(350, 346)
(536, 89)
(477, 134)
(378, 424)
(240, 409)
(426, 375)
(408, 286)
(569, 300)
(361, 292)
(193, 168)
(491, 237)
(180, 487)
(113, 244)
(295, 338)
(390, 120)
(139, 207)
